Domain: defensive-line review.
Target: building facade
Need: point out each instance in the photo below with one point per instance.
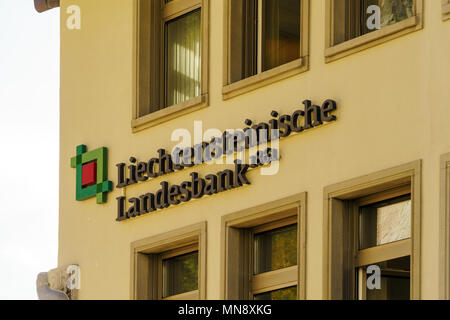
(348, 198)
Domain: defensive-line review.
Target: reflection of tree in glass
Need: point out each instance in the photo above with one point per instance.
(393, 11)
(281, 294)
(180, 274)
(284, 254)
(190, 273)
(284, 247)
(275, 249)
(285, 294)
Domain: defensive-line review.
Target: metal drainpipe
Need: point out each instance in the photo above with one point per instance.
(44, 5)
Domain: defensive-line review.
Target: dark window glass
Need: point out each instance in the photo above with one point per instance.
(180, 274)
(281, 32)
(243, 39)
(395, 281)
(268, 36)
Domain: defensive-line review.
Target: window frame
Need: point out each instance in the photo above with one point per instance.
(236, 248)
(380, 253)
(146, 262)
(230, 90)
(444, 229)
(445, 10)
(157, 19)
(339, 217)
(334, 52)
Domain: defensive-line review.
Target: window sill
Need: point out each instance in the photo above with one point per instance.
(265, 78)
(169, 113)
(372, 39)
(446, 11)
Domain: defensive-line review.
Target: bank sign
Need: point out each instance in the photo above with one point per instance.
(256, 145)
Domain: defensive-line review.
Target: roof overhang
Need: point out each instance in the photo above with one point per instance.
(44, 5)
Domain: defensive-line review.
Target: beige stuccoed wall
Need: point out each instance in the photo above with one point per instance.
(394, 107)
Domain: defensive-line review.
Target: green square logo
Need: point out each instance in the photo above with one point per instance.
(91, 174)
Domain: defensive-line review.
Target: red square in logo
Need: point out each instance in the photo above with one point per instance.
(89, 174)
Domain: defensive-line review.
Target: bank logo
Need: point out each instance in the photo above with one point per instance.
(92, 174)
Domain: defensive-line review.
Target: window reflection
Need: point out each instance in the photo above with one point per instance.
(180, 274)
(275, 249)
(385, 222)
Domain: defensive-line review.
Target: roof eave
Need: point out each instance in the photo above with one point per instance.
(44, 5)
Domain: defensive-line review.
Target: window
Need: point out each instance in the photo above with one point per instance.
(182, 67)
(373, 230)
(178, 271)
(445, 9)
(170, 266)
(384, 241)
(351, 16)
(172, 59)
(264, 251)
(353, 27)
(267, 40)
(274, 261)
